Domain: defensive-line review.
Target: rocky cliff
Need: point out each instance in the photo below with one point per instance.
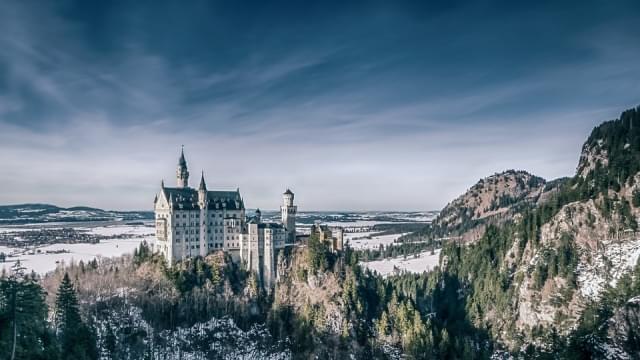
(560, 245)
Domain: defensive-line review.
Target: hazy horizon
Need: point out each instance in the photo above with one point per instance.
(360, 106)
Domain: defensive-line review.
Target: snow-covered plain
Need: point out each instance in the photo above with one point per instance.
(357, 223)
(13, 229)
(114, 230)
(424, 262)
(372, 243)
(363, 234)
(41, 262)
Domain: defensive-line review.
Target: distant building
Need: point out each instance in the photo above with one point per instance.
(332, 236)
(196, 222)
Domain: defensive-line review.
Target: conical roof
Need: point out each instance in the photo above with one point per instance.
(203, 185)
(182, 161)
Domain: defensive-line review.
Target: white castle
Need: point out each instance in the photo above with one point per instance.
(196, 222)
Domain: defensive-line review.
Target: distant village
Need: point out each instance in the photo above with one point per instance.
(30, 240)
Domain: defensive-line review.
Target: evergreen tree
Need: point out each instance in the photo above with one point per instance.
(76, 338)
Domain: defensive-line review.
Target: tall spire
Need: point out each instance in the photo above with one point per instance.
(203, 185)
(182, 161)
(182, 174)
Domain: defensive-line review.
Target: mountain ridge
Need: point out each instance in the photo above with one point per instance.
(44, 213)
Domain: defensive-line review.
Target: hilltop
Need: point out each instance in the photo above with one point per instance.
(491, 200)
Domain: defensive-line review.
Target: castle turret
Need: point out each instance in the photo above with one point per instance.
(258, 216)
(202, 191)
(288, 213)
(182, 174)
(203, 202)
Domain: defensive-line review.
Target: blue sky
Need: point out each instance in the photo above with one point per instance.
(354, 105)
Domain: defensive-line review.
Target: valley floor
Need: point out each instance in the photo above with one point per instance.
(424, 261)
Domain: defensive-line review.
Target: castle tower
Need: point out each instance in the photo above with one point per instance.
(288, 214)
(182, 174)
(203, 203)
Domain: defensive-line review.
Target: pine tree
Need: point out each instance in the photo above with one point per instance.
(383, 325)
(76, 338)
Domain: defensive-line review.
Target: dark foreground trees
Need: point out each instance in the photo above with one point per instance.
(25, 332)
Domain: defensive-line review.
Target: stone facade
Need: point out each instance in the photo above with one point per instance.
(333, 236)
(195, 222)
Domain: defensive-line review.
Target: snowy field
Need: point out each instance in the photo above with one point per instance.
(357, 223)
(114, 230)
(41, 262)
(358, 235)
(424, 262)
(359, 241)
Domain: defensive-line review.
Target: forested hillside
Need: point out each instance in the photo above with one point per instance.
(554, 274)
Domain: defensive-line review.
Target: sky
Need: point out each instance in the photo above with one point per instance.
(354, 105)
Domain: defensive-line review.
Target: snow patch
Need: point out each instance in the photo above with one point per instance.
(423, 262)
(607, 266)
(364, 242)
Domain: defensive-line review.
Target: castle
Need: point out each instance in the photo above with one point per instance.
(195, 222)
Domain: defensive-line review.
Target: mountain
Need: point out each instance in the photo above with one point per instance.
(561, 252)
(491, 200)
(44, 213)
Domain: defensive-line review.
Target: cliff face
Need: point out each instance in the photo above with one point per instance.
(624, 328)
(316, 295)
(571, 240)
(602, 256)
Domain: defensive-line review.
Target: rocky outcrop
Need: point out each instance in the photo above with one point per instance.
(600, 261)
(308, 292)
(624, 328)
(592, 155)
